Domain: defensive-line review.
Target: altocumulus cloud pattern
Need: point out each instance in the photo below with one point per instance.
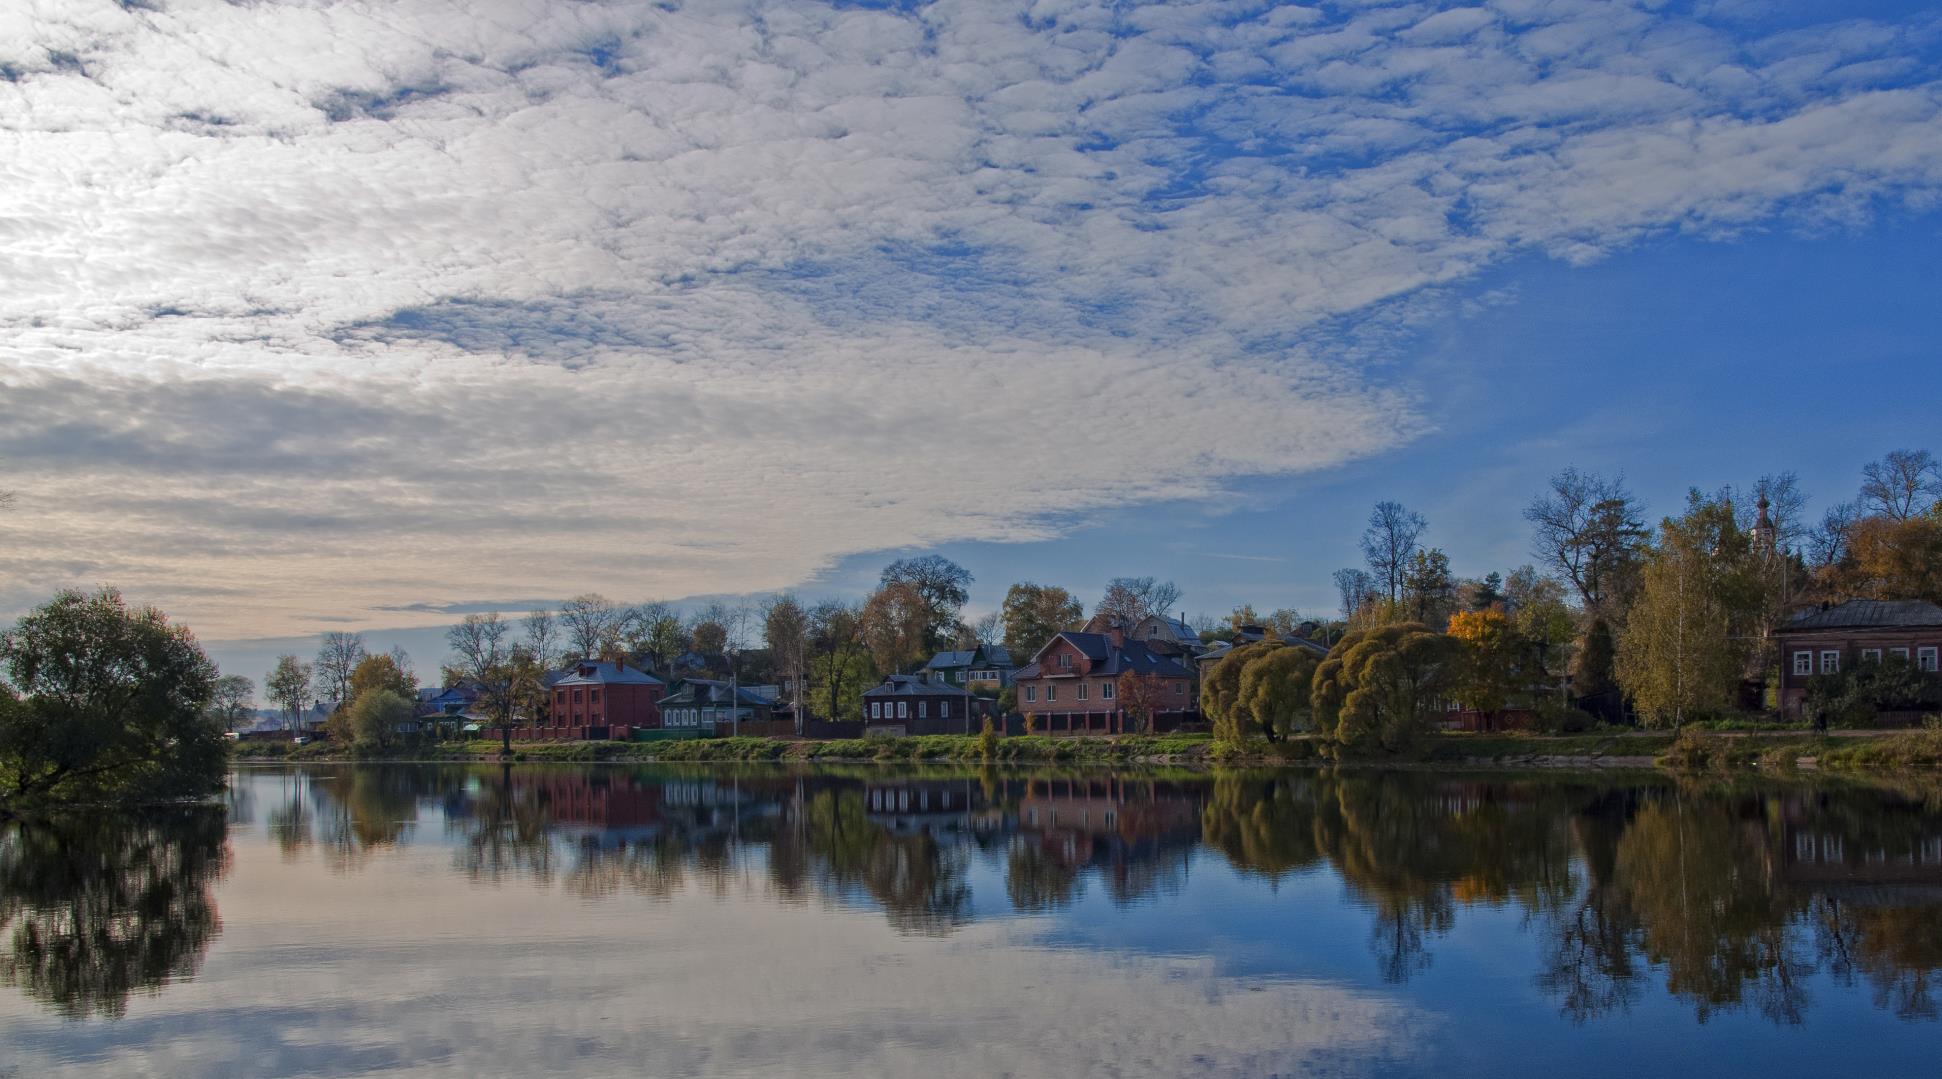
(693, 296)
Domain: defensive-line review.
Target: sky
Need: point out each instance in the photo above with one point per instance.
(330, 314)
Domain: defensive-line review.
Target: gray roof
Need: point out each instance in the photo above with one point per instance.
(1868, 613)
(713, 691)
(1133, 657)
(607, 674)
(994, 655)
(910, 685)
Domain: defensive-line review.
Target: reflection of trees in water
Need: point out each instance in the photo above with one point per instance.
(1035, 881)
(95, 908)
(362, 810)
(1618, 884)
(508, 833)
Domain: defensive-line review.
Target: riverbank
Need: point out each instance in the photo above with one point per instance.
(1783, 751)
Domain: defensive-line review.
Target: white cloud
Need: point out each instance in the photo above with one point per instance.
(333, 306)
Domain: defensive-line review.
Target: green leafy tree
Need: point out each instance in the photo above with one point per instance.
(1855, 697)
(375, 716)
(1688, 638)
(1032, 614)
(1429, 590)
(1220, 692)
(1275, 691)
(113, 707)
(1498, 667)
(288, 685)
(1378, 687)
(231, 707)
(941, 586)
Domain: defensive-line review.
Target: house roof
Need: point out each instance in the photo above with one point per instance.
(599, 673)
(712, 691)
(1133, 657)
(994, 655)
(1867, 613)
(911, 685)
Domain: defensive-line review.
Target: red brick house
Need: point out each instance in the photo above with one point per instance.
(1072, 685)
(611, 698)
(1830, 639)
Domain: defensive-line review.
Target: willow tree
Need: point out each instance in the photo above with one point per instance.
(1688, 638)
(1275, 691)
(1379, 687)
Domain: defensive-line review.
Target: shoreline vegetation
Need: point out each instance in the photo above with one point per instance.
(1687, 751)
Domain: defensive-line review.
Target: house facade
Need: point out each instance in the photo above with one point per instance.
(605, 695)
(703, 704)
(1830, 639)
(919, 704)
(1074, 685)
(987, 667)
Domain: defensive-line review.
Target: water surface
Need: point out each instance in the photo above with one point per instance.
(610, 920)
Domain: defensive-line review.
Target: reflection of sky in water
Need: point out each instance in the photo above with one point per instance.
(383, 956)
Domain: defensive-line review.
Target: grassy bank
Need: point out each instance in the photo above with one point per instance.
(1688, 751)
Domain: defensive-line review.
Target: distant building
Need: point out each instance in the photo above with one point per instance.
(919, 704)
(987, 666)
(601, 694)
(703, 703)
(1073, 683)
(1829, 639)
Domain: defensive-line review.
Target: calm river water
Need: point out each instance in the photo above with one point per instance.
(609, 920)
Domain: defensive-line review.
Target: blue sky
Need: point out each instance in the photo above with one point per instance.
(350, 314)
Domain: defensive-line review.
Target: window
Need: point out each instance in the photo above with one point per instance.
(1898, 653)
(1105, 691)
(1051, 694)
(1065, 660)
(1830, 662)
(1031, 694)
(1925, 658)
(1803, 663)
(1179, 688)
(923, 709)
(1871, 655)
(903, 709)
(876, 709)
(1082, 691)
(943, 709)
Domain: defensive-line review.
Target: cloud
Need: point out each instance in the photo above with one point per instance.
(489, 297)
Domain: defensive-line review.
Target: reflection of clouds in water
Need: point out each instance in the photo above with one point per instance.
(702, 985)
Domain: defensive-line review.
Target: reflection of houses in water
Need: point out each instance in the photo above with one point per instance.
(1883, 863)
(927, 805)
(1135, 831)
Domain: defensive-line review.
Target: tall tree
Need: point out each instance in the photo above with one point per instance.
(1355, 586)
(1429, 589)
(840, 662)
(896, 622)
(336, 659)
(231, 705)
(1130, 599)
(1591, 530)
(1275, 691)
(591, 623)
(1497, 667)
(1893, 559)
(288, 685)
(785, 628)
(941, 584)
(482, 644)
(542, 636)
(1688, 638)
(1033, 614)
(1903, 484)
(1389, 541)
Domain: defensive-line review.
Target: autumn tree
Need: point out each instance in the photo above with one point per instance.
(710, 637)
(785, 629)
(1688, 637)
(1902, 485)
(1891, 559)
(1141, 697)
(590, 624)
(374, 716)
(1355, 586)
(1591, 530)
(288, 685)
(1128, 600)
(1378, 687)
(655, 628)
(382, 672)
(1497, 666)
(1276, 691)
(1033, 614)
(941, 585)
(1220, 691)
(897, 621)
(338, 656)
(481, 644)
(1389, 542)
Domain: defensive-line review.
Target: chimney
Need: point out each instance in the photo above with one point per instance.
(1117, 635)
